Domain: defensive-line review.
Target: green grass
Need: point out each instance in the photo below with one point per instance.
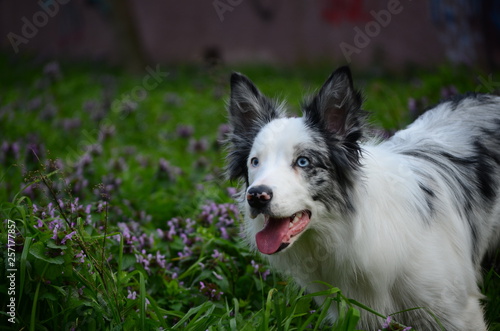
(123, 219)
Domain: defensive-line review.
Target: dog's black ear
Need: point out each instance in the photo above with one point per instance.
(249, 111)
(248, 107)
(337, 106)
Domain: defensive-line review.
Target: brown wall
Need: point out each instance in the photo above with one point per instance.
(275, 31)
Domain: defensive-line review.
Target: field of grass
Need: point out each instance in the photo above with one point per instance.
(115, 212)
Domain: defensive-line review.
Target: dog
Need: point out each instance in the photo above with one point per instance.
(400, 225)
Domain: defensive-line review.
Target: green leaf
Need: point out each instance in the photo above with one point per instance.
(128, 261)
(39, 251)
(52, 244)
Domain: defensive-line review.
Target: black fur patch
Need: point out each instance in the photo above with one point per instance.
(471, 180)
(430, 196)
(249, 111)
(335, 117)
(456, 100)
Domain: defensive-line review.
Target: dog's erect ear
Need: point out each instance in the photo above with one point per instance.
(248, 107)
(249, 111)
(337, 107)
(336, 112)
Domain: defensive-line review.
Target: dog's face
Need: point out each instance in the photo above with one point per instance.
(278, 167)
(295, 169)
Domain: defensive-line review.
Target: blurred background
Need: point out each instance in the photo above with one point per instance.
(112, 114)
(388, 34)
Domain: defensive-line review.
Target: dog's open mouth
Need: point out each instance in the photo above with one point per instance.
(278, 232)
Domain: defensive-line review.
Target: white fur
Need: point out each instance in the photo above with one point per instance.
(396, 225)
(386, 250)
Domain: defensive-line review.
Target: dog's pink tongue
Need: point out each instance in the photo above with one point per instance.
(270, 238)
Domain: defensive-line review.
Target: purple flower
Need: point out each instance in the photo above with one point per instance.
(190, 225)
(210, 290)
(53, 70)
(198, 146)
(186, 252)
(257, 269)
(224, 233)
(145, 240)
(166, 170)
(74, 205)
(255, 266)
(231, 191)
(34, 103)
(51, 210)
(171, 233)
(68, 237)
(39, 224)
(71, 124)
(217, 255)
(131, 295)
(160, 260)
(101, 206)
(223, 132)
(216, 294)
(185, 239)
(55, 232)
(387, 322)
(144, 259)
(173, 99)
(81, 257)
(448, 91)
(184, 131)
(126, 106)
(161, 233)
(106, 132)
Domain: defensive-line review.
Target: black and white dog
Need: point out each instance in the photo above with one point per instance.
(395, 224)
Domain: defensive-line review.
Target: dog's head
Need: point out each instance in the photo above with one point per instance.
(296, 170)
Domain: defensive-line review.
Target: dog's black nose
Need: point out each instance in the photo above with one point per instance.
(259, 196)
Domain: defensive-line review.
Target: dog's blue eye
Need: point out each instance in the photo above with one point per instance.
(303, 162)
(254, 162)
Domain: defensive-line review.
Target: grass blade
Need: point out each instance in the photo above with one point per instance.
(22, 265)
(142, 300)
(35, 299)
